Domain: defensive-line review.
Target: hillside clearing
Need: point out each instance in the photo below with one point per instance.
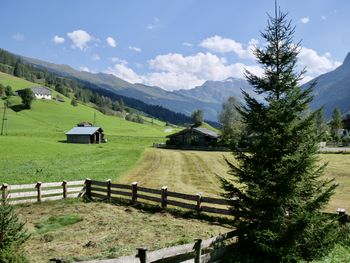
(103, 231)
(198, 171)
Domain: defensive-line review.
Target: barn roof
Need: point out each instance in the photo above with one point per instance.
(83, 130)
(203, 131)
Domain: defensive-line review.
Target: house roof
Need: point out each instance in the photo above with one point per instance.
(203, 131)
(41, 90)
(83, 130)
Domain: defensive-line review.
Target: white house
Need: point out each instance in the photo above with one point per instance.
(42, 93)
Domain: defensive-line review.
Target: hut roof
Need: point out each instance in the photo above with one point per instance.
(83, 130)
(203, 131)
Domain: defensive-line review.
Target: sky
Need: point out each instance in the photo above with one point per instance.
(172, 44)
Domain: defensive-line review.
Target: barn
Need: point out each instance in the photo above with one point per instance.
(193, 136)
(85, 135)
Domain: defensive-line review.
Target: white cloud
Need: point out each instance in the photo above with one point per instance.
(119, 61)
(154, 24)
(226, 45)
(58, 40)
(174, 71)
(111, 41)
(122, 71)
(136, 49)
(80, 39)
(315, 63)
(323, 17)
(18, 37)
(96, 57)
(305, 20)
(186, 44)
(86, 69)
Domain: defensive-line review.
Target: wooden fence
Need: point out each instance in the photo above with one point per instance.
(163, 197)
(38, 192)
(201, 251)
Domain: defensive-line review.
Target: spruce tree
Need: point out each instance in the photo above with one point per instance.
(336, 123)
(278, 191)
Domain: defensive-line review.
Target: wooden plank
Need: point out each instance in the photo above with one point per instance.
(216, 254)
(121, 193)
(97, 189)
(181, 204)
(98, 183)
(183, 196)
(98, 195)
(52, 192)
(82, 182)
(54, 184)
(22, 186)
(119, 199)
(75, 189)
(170, 252)
(121, 186)
(216, 210)
(22, 201)
(52, 198)
(212, 200)
(149, 190)
(212, 241)
(21, 194)
(150, 198)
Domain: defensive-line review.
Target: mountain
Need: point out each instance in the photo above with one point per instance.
(218, 91)
(333, 89)
(148, 94)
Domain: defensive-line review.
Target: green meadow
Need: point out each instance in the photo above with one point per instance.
(35, 149)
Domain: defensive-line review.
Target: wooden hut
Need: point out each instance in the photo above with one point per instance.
(85, 135)
(193, 137)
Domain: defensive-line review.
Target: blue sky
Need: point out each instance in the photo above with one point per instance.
(172, 44)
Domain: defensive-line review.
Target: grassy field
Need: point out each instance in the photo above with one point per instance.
(103, 230)
(195, 171)
(35, 150)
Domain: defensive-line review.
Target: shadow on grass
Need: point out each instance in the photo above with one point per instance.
(18, 107)
(152, 209)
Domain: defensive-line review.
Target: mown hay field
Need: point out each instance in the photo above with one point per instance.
(73, 230)
(199, 171)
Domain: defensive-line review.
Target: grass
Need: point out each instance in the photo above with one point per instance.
(196, 171)
(102, 230)
(34, 149)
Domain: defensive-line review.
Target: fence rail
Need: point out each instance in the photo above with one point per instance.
(162, 197)
(201, 251)
(39, 192)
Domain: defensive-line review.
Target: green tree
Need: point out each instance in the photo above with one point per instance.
(18, 70)
(197, 117)
(74, 102)
(121, 105)
(336, 123)
(12, 235)
(8, 91)
(230, 119)
(279, 190)
(321, 125)
(27, 97)
(2, 90)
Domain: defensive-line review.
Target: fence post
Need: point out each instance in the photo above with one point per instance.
(199, 202)
(88, 188)
(64, 185)
(342, 216)
(38, 189)
(109, 182)
(134, 192)
(4, 189)
(198, 250)
(142, 254)
(164, 196)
